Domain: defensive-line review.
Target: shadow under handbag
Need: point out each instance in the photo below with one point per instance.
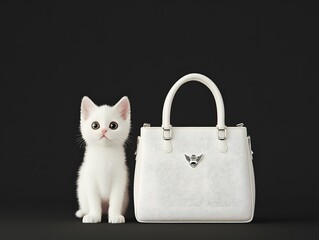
(194, 174)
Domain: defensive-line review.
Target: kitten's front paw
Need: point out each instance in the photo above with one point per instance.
(116, 219)
(89, 218)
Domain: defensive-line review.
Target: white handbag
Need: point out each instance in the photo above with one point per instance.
(194, 174)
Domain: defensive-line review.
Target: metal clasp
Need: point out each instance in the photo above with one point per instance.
(221, 133)
(167, 133)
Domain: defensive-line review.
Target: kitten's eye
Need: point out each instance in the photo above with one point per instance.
(113, 125)
(95, 125)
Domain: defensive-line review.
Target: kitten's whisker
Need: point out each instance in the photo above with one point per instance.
(80, 141)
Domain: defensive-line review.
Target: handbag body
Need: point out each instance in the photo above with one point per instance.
(194, 174)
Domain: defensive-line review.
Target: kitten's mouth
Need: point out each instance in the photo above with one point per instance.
(104, 137)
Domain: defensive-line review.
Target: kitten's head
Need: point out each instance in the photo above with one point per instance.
(105, 125)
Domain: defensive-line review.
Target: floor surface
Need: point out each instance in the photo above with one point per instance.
(56, 225)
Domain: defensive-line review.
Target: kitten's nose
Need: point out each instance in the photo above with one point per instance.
(103, 130)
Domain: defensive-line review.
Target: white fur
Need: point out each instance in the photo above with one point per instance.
(102, 185)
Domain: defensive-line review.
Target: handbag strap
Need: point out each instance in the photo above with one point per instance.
(166, 125)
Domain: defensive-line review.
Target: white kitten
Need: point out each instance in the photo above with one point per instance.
(103, 177)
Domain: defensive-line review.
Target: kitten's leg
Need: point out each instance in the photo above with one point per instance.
(95, 208)
(84, 208)
(83, 202)
(116, 201)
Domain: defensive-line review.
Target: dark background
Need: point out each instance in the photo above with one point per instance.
(263, 57)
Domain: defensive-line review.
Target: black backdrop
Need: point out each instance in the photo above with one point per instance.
(263, 58)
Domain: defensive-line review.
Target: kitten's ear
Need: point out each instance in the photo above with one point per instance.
(87, 106)
(123, 106)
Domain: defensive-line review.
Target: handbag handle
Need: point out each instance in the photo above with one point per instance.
(167, 131)
(208, 83)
